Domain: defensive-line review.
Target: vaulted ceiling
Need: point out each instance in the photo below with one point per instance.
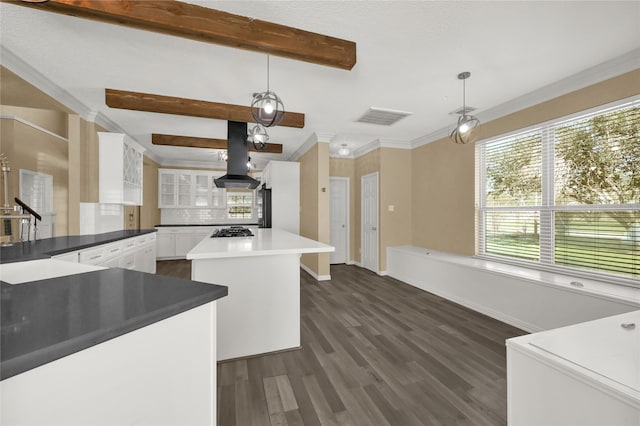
(408, 56)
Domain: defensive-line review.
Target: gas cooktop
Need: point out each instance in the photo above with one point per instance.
(234, 231)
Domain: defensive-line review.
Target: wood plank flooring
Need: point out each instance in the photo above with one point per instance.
(375, 352)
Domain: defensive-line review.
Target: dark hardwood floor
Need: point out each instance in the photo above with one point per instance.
(375, 352)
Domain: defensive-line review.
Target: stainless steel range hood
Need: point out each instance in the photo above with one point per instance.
(237, 158)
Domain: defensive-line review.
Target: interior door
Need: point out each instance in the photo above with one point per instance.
(369, 220)
(339, 219)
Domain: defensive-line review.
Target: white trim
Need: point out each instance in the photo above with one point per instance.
(622, 64)
(352, 262)
(195, 164)
(348, 225)
(313, 274)
(546, 261)
(365, 149)
(383, 273)
(32, 125)
(316, 137)
(34, 77)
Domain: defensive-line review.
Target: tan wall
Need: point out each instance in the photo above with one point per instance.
(345, 167)
(31, 149)
(395, 192)
(444, 201)
(368, 163)
(149, 211)
(324, 232)
(309, 203)
(314, 204)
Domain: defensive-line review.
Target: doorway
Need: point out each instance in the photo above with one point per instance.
(369, 220)
(339, 219)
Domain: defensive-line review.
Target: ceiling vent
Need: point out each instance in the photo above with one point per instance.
(463, 110)
(382, 117)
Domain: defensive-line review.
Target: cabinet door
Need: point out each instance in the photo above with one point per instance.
(150, 259)
(166, 245)
(202, 189)
(167, 189)
(218, 195)
(184, 182)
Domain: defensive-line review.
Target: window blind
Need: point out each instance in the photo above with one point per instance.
(565, 194)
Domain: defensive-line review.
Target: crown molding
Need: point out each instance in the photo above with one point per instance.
(315, 138)
(622, 64)
(210, 165)
(365, 149)
(34, 77)
(395, 143)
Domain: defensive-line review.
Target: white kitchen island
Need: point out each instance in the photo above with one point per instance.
(261, 313)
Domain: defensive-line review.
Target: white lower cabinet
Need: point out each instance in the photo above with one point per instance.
(175, 243)
(137, 253)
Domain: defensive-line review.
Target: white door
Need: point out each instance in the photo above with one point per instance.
(339, 218)
(369, 220)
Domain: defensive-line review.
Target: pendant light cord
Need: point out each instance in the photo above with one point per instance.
(267, 73)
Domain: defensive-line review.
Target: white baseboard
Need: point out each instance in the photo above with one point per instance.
(314, 275)
(352, 262)
(383, 273)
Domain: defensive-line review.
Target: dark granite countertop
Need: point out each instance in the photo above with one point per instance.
(48, 319)
(209, 224)
(47, 247)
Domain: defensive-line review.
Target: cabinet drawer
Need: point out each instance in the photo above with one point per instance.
(92, 256)
(129, 244)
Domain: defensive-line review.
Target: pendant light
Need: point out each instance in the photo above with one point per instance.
(465, 130)
(267, 108)
(258, 137)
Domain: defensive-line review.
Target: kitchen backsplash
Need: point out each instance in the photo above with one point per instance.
(199, 217)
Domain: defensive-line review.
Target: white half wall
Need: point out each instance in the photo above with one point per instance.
(528, 299)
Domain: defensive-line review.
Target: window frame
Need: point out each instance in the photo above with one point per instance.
(548, 207)
(252, 206)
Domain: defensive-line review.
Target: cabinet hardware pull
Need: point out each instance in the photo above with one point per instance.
(628, 325)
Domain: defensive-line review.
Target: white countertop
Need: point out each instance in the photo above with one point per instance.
(265, 242)
(600, 350)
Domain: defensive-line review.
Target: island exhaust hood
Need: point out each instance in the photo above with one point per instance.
(237, 157)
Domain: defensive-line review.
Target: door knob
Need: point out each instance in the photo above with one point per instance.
(373, 228)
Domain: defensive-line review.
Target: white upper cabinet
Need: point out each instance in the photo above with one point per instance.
(167, 192)
(185, 187)
(120, 169)
(189, 189)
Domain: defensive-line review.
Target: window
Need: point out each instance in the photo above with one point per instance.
(240, 205)
(565, 194)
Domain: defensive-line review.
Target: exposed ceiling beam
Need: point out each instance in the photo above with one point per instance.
(191, 107)
(211, 26)
(194, 142)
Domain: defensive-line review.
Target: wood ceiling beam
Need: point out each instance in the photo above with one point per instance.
(191, 107)
(195, 142)
(211, 26)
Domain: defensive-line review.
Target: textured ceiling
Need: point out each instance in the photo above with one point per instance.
(408, 56)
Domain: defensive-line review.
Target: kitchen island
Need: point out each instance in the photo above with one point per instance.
(261, 313)
(84, 344)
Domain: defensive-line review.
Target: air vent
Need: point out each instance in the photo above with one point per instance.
(463, 110)
(382, 117)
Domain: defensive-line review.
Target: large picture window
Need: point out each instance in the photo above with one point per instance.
(565, 194)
